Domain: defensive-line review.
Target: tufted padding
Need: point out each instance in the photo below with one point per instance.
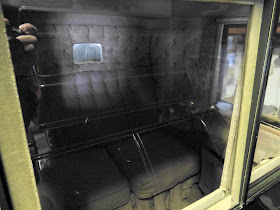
(172, 53)
(123, 47)
(123, 99)
(162, 52)
(143, 79)
(171, 159)
(96, 92)
(98, 88)
(86, 179)
(174, 49)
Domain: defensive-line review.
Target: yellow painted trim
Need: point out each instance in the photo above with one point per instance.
(254, 28)
(228, 195)
(231, 143)
(264, 169)
(259, 187)
(233, 163)
(13, 143)
(223, 204)
(259, 96)
(271, 129)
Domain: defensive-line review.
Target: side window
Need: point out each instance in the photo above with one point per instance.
(271, 105)
(87, 53)
(233, 44)
(267, 152)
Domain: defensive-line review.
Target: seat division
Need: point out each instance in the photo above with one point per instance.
(171, 159)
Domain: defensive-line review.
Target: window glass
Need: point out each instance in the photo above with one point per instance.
(271, 106)
(87, 53)
(233, 45)
(267, 153)
(267, 149)
(134, 130)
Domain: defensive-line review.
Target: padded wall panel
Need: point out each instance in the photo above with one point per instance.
(97, 87)
(144, 78)
(123, 47)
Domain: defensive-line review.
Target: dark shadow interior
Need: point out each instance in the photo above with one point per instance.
(136, 130)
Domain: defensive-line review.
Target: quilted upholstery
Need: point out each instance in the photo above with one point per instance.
(87, 179)
(144, 79)
(94, 88)
(172, 160)
(123, 47)
(170, 55)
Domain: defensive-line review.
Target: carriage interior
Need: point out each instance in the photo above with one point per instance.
(129, 114)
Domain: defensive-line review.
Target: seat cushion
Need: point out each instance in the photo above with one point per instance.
(87, 179)
(171, 159)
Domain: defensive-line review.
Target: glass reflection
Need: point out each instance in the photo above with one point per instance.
(135, 131)
(87, 53)
(267, 151)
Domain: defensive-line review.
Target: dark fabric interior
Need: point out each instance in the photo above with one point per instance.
(157, 59)
(152, 69)
(148, 76)
(90, 178)
(171, 162)
(87, 179)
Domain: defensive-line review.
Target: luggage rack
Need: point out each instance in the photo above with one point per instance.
(106, 139)
(128, 133)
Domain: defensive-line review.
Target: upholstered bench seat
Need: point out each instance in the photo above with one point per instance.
(171, 159)
(86, 179)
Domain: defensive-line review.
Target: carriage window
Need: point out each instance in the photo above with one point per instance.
(87, 53)
(233, 44)
(267, 152)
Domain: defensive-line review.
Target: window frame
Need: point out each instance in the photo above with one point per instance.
(233, 191)
(264, 171)
(14, 150)
(234, 184)
(269, 26)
